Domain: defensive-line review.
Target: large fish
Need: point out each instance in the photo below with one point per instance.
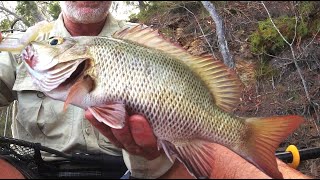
(187, 99)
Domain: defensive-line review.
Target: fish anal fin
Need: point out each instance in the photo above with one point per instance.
(264, 136)
(195, 155)
(112, 114)
(215, 75)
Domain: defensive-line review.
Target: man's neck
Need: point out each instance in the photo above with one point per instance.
(78, 29)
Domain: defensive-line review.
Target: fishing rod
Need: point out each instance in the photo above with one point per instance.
(293, 156)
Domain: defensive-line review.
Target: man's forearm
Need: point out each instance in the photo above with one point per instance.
(228, 165)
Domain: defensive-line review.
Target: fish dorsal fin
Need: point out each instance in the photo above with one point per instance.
(222, 81)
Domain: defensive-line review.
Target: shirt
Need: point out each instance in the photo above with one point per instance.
(42, 119)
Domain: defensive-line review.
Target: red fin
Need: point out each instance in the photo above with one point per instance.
(264, 136)
(195, 155)
(78, 91)
(112, 114)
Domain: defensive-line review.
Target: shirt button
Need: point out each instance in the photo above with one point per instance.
(40, 95)
(87, 130)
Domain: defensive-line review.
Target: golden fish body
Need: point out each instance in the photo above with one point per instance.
(185, 98)
(161, 88)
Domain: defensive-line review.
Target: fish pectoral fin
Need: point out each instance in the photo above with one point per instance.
(76, 93)
(195, 155)
(112, 114)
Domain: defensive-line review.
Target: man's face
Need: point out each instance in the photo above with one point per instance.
(85, 12)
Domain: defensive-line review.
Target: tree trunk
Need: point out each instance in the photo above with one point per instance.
(223, 45)
(142, 5)
(36, 13)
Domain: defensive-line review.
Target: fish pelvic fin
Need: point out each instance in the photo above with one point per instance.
(262, 139)
(112, 114)
(195, 155)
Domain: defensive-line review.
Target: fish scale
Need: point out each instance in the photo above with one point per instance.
(141, 84)
(186, 99)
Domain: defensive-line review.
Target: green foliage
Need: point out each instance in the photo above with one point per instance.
(27, 10)
(306, 8)
(24, 9)
(54, 9)
(5, 24)
(267, 40)
(153, 8)
(265, 71)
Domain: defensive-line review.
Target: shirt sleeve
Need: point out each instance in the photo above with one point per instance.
(142, 168)
(7, 78)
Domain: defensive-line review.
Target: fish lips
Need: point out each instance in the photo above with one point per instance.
(37, 61)
(29, 56)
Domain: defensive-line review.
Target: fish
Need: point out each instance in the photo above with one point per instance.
(188, 100)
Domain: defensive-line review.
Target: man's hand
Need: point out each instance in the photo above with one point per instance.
(136, 137)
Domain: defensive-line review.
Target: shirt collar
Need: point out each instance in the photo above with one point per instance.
(108, 29)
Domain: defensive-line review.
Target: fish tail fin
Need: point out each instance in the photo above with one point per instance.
(195, 155)
(263, 137)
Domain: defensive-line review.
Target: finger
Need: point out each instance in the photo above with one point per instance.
(289, 172)
(143, 136)
(142, 132)
(103, 129)
(125, 138)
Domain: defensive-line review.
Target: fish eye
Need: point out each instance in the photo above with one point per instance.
(55, 41)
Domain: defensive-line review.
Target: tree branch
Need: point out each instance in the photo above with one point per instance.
(15, 15)
(294, 58)
(210, 46)
(223, 45)
(36, 12)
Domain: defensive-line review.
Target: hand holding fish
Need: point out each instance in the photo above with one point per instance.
(136, 137)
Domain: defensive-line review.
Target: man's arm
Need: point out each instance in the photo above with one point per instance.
(227, 164)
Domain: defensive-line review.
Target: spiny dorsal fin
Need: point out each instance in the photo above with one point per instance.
(222, 82)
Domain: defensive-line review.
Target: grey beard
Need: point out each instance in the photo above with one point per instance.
(75, 16)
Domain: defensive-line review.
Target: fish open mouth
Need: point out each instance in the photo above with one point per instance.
(77, 73)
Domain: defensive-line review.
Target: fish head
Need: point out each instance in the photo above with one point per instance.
(57, 63)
